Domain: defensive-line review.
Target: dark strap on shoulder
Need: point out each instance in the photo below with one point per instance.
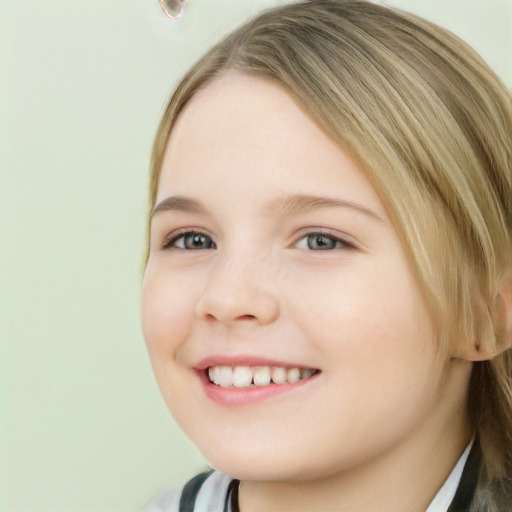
(190, 491)
(468, 481)
(231, 503)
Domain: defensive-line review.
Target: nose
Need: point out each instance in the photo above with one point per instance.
(239, 290)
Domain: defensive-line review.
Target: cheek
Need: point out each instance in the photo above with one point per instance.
(370, 318)
(166, 311)
(166, 320)
(375, 339)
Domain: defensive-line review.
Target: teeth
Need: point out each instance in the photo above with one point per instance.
(214, 374)
(279, 375)
(242, 377)
(305, 374)
(246, 376)
(293, 375)
(261, 376)
(225, 376)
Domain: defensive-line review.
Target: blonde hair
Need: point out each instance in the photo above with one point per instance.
(431, 125)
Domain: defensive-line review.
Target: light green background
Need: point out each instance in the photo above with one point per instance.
(82, 86)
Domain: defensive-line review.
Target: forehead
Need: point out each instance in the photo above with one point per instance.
(249, 136)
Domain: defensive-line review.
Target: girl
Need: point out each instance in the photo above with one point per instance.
(327, 301)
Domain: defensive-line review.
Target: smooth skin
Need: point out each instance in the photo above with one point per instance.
(248, 265)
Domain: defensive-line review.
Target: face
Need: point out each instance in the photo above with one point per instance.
(272, 257)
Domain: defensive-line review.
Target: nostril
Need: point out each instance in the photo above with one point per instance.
(212, 318)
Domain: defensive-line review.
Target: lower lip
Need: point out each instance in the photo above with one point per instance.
(242, 396)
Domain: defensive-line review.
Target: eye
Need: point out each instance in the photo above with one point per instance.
(190, 241)
(322, 242)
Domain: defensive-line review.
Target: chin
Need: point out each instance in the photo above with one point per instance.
(260, 464)
(256, 470)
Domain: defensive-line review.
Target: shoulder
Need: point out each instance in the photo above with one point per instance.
(167, 501)
(205, 492)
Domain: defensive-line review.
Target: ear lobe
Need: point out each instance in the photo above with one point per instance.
(495, 333)
(475, 353)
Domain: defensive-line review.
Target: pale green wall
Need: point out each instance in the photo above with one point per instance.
(82, 85)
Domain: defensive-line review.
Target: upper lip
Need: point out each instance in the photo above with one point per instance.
(243, 360)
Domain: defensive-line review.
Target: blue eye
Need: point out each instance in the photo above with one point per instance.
(190, 241)
(322, 242)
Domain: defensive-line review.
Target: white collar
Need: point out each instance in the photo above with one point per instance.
(444, 497)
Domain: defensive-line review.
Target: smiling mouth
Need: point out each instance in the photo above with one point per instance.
(256, 376)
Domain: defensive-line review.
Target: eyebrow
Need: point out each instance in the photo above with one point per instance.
(303, 203)
(282, 206)
(178, 203)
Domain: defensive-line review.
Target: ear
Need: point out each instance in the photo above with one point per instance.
(495, 334)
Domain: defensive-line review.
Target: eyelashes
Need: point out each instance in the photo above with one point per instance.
(323, 242)
(314, 240)
(189, 241)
